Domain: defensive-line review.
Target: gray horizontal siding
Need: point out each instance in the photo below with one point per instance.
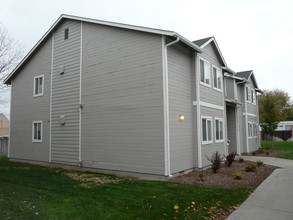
(230, 94)
(208, 94)
(180, 103)
(25, 108)
(65, 94)
(209, 149)
(122, 117)
(231, 129)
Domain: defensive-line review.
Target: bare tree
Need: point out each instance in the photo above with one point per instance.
(10, 54)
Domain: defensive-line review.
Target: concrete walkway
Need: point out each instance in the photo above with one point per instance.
(273, 199)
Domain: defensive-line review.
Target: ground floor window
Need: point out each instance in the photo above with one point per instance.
(255, 127)
(219, 129)
(206, 130)
(37, 131)
(250, 129)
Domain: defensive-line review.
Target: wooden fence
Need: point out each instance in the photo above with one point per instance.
(4, 146)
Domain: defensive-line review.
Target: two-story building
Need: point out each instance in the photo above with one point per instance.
(126, 98)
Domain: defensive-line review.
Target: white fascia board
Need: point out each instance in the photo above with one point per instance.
(188, 42)
(217, 46)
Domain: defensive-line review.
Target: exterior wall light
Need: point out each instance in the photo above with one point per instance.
(181, 117)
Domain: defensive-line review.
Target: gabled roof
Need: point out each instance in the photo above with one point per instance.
(101, 22)
(202, 41)
(247, 75)
(205, 41)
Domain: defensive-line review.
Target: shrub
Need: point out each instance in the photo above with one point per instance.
(241, 159)
(261, 151)
(250, 168)
(267, 153)
(216, 161)
(237, 175)
(253, 153)
(230, 158)
(259, 163)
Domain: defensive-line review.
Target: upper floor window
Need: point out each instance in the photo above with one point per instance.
(38, 85)
(206, 130)
(66, 34)
(37, 131)
(217, 77)
(219, 129)
(250, 95)
(205, 72)
(253, 101)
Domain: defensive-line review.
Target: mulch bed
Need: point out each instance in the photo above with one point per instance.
(224, 176)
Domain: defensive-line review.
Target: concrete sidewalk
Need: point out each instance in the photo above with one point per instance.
(273, 199)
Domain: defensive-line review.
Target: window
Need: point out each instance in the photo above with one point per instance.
(255, 127)
(38, 85)
(217, 79)
(253, 101)
(66, 34)
(250, 131)
(206, 130)
(219, 130)
(248, 94)
(205, 72)
(37, 131)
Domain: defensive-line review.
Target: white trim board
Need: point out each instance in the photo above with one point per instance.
(208, 105)
(250, 114)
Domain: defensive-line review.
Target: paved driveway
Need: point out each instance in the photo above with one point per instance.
(273, 199)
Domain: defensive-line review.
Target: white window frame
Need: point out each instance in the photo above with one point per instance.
(221, 121)
(218, 75)
(253, 96)
(35, 80)
(207, 141)
(250, 129)
(207, 72)
(248, 94)
(41, 131)
(254, 128)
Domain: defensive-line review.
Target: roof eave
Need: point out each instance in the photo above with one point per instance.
(7, 80)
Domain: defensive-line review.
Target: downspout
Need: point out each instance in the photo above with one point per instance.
(80, 104)
(198, 114)
(167, 156)
(51, 93)
(246, 120)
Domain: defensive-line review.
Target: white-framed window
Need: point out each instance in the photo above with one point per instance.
(206, 128)
(217, 79)
(219, 130)
(255, 127)
(205, 72)
(250, 130)
(248, 94)
(38, 85)
(37, 131)
(253, 98)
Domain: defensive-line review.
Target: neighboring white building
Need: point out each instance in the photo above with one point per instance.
(285, 126)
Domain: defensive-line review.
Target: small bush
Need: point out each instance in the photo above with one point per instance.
(250, 168)
(259, 163)
(237, 175)
(216, 161)
(261, 151)
(201, 176)
(230, 158)
(241, 159)
(253, 153)
(267, 153)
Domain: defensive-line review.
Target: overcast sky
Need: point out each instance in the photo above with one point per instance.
(251, 34)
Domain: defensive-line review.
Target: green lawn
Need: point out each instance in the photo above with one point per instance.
(35, 192)
(286, 146)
